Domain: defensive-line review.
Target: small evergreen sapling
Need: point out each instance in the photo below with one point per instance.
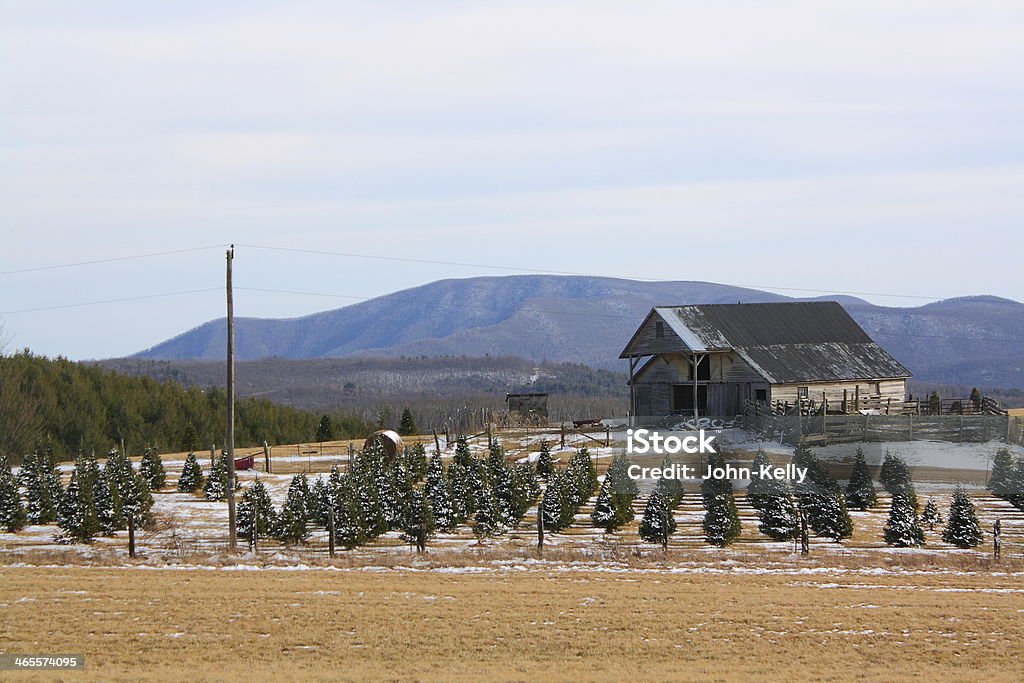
(42, 484)
(603, 515)
(722, 520)
(551, 502)
(191, 479)
(658, 522)
(256, 515)
(962, 528)
(75, 513)
(860, 491)
(774, 505)
(292, 521)
(418, 525)
(903, 529)
(931, 515)
(1001, 481)
(216, 486)
(103, 506)
(545, 461)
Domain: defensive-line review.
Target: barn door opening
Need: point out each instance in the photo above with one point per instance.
(682, 398)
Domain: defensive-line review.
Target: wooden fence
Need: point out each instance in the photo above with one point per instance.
(824, 429)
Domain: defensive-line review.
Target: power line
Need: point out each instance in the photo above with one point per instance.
(111, 301)
(107, 260)
(491, 266)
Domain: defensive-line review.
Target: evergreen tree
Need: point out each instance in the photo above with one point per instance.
(459, 486)
(152, 469)
(672, 489)
(462, 455)
(75, 513)
(712, 488)
(43, 492)
(777, 515)
(1001, 481)
(407, 425)
(931, 515)
(121, 480)
(137, 502)
(439, 495)
(291, 525)
(190, 438)
(551, 502)
(603, 515)
(623, 490)
(758, 485)
(1016, 496)
(488, 519)
(349, 526)
(658, 522)
(191, 479)
(545, 462)
(830, 517)
(962, 528)
(525, 491)
(722, 520)
(12, 512)
(216, 486)
(771, 499)
(418, 525)
(416, 459)
(324, 430)
(322, 500)
(256, 515)
(903, 529)
(860, 491)
(103, 506)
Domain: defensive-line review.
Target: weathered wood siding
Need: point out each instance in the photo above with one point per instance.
(646, 341)
(732, 383)
(894, 389)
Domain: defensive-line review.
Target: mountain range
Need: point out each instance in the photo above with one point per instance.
(975, 340)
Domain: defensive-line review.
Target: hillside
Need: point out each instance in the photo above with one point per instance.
(970, 340)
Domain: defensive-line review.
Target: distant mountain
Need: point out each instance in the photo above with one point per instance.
(970, 340)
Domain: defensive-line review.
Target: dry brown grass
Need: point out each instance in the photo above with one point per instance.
(515, 625)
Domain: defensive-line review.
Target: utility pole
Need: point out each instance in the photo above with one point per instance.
(232, 530)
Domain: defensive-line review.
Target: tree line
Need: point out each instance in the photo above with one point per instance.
(75, 407)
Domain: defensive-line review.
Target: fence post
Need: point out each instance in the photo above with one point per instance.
(540, 525)
(266, 456)
(131, 533)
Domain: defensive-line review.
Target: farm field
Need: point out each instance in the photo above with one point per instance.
(519, 622)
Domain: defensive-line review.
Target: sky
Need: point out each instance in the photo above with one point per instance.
(833, 146)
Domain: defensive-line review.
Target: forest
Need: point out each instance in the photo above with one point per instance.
(73, 407)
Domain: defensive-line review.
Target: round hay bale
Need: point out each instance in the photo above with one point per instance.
(387, 439)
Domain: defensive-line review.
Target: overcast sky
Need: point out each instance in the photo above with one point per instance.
(841, 146)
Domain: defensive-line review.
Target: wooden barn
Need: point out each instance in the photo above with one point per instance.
(788, 352)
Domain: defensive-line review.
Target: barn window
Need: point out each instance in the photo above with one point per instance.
(659, 329)
(801, 392)
(761, 394)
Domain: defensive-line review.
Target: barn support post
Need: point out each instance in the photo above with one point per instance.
(632, 392)
(693, 371)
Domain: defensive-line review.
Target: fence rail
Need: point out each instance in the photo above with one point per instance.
(826, 429)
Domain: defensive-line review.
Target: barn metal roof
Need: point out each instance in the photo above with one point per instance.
(807, 341)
